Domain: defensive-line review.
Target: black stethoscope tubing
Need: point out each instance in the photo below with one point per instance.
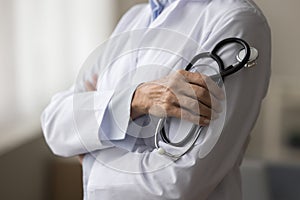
(224, 72)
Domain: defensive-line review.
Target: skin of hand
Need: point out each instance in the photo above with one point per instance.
(185, 95)
(89, 86)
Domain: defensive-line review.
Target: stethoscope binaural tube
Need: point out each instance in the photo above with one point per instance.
(237, 66)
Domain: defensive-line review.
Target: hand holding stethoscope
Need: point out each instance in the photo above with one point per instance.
(172, 96)
(181, 95)
(247, 57)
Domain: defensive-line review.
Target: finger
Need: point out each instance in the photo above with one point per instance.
(202, 94)
(186, 115)
(194, 106)
(80, 158)
(213, 87)
(89, 86)
(203, 81)
(95, 80)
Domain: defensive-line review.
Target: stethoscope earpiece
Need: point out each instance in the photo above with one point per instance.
(252, 59)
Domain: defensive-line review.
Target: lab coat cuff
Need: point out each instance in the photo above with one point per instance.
(117, 115)
(89, 108)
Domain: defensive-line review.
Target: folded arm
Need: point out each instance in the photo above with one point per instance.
(200, 171)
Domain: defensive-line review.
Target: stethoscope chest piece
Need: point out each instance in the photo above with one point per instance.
(252, 59)
(161, 151)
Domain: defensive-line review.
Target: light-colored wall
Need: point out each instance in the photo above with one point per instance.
(284, 17)
(281, 109)
(6, 64)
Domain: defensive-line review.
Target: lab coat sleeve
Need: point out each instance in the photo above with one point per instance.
(245, 91)
(77, 122)
(197, 175)
(69, 122)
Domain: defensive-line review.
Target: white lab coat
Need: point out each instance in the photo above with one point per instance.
(120, 161)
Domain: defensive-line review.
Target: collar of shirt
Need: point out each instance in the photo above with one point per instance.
(157, 6)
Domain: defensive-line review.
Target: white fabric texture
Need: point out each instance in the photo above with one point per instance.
(121, 162)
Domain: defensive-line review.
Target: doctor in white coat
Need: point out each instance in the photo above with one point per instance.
(110, 113)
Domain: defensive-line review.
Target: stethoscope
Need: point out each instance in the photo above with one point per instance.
(247, 57)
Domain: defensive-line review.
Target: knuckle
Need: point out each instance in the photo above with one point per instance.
(204, 78)
(182, 101)
(179, 74)
(208, 97)
(187, 102)
(196, 105)
(168, 97)
(198, 75)
(184, 115)
(206, 94)
(167, 107)
(172, 82)
(180, 71)
(209, 114)
(200, 92)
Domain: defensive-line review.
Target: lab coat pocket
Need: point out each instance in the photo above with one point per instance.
(107, 181)
(117, 192)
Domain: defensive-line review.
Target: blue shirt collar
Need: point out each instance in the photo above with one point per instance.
(157, 6)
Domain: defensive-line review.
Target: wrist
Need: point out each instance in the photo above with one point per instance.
(138, 108)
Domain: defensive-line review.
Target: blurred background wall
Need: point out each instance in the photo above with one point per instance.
(42, 46)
